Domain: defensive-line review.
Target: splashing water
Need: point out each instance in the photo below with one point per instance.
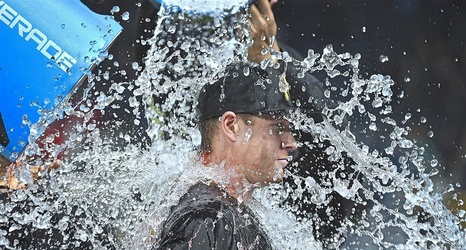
(126, 194)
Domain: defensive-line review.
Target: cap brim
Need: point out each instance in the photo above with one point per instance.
(317, 116)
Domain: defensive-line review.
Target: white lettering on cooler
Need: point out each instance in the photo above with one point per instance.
(47, 47)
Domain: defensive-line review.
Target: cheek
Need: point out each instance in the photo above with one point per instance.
(262, 149)
(257, 155)
(271, 143)
(268, 153)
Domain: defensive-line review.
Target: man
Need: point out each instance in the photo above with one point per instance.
(244, 130)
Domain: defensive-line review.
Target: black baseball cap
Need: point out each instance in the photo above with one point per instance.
(245, 88)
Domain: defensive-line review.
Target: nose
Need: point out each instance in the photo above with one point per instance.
(289, 142)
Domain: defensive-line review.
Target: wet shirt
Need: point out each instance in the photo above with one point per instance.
(208, 218)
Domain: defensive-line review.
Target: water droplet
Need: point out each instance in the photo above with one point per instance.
(377, 103)
(330, 150)
(135, 65)
(87, 72)
(115, 9)
(408, 116)
(383, 58)
(327, 93)
(247, 136)
(91, 126)
(102, 55)
(389, 150)
(172, 29)
(430, 134)
(246, 71)
(125, 16)
(264, 52)
(405, 143)
(461, 213)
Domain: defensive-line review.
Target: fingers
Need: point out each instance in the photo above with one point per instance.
(37, 169)
(264, 7)
(261, 16)
(48, 166)
(13, 182)
(263, 27)
(257, 22)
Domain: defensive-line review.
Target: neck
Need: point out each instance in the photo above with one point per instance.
(238, 187)
(236, 184)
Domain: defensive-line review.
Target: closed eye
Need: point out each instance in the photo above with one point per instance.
(279, 128)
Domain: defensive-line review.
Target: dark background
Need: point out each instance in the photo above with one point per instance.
(424, 41)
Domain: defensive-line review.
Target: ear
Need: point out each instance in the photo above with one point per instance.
(230, 125)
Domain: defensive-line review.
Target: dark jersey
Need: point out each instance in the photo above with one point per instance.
(208, 218)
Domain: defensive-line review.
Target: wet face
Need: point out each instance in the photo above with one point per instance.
(263, 149)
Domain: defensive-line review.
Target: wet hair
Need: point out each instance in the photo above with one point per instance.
(209, 127)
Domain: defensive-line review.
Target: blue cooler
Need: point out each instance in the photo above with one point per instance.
(47, 48)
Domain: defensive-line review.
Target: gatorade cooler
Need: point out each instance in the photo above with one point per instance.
(46, 49)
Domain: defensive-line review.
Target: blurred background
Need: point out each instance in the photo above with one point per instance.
(425, 44)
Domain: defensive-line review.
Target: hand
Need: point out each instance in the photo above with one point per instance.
(263, 27)
(13, 183)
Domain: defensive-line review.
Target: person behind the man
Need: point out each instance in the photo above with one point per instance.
(244, 129)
